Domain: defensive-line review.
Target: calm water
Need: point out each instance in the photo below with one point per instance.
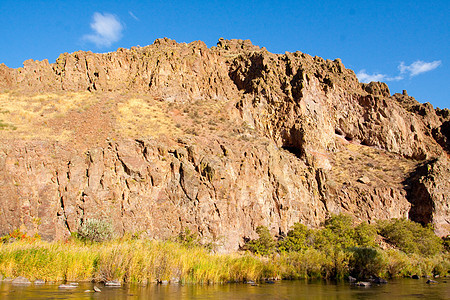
(395, 289)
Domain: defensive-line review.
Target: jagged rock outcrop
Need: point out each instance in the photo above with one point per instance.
(429, 194)
(219, 141)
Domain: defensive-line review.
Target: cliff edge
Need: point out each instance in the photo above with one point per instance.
(220, 140)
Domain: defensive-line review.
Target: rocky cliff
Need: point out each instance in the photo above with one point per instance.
(217, 140)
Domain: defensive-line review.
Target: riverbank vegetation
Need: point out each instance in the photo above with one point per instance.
(388, 249)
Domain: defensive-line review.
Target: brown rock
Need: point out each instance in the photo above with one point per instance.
(218, 141)
(364, 179)
(21, 281)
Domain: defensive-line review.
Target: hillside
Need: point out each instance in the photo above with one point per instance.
(220, 140)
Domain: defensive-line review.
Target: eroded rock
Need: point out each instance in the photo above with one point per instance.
(248, 138)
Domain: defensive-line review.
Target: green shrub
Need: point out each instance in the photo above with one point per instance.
(264, 245)
(446, 242)
(336, 263)
(96, 230)
(338, 233)
(297, 239)
(188, 238)
(365, 235)
(366, 262)
(397, 263)
(410, 237)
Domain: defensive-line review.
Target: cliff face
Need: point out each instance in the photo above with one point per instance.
(172, 136)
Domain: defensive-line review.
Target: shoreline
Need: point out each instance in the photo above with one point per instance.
(144, 262)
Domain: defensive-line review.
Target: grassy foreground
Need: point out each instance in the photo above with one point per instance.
(143, 261)
(129, 261)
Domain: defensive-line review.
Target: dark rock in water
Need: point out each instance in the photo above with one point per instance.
(351, 279)
(96, 289)
(379, 280)
(270, 281)
(363, 283)
(39, 282)
(113, 283)
(429, 281)
(415, 276)
(21, 280)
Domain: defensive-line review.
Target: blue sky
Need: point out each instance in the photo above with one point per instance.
(404, 43)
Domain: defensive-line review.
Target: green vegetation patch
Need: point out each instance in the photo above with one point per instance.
(7, 126)
(411, 237)
(341, 248)
(337, 250)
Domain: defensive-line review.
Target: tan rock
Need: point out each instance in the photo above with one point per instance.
(218, 141)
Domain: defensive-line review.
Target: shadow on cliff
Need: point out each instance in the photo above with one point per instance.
(418, 195)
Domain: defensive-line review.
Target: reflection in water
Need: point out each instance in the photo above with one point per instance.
(402, 288)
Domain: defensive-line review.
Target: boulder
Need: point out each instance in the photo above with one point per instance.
(363, 283)
(113, 283)
(21, 281)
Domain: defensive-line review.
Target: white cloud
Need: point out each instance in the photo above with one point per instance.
(418, 67)
(363, 76)
(133, 15)
(366, 78)
(396, 78)
(107, 29)
(414, 69)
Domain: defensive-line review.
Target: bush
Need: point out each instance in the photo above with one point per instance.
(264, 245)
(338, 233)
(446, 242)
(297, 239)
(188, 238)
(366, 262)
(96, 230)
(336, 264)
(410, 237)
(398, 263)
(365, 235)
(18, 235)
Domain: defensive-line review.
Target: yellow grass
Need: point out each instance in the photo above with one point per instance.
(30, 115)
(143, 261)
(144, 118)
(129, 260)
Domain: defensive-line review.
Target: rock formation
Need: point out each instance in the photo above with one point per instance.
(220, 140)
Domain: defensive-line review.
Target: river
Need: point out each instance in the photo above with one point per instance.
(395, 289)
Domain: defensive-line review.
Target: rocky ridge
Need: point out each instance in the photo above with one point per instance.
(216, 140)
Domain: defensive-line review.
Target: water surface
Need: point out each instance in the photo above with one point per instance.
(395, 289)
